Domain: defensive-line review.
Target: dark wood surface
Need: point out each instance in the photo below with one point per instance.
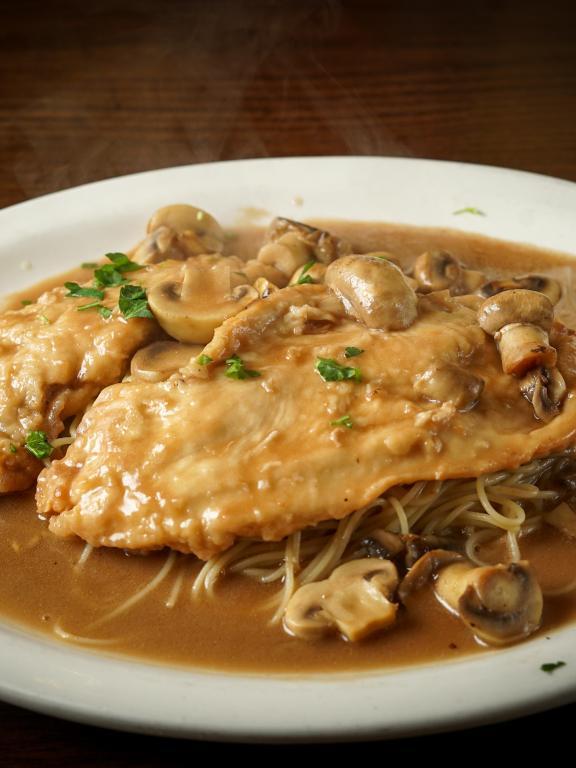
(93, 90)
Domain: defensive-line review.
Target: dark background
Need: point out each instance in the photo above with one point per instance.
(99, 89)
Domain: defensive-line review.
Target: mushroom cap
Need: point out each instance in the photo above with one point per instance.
(374, 291)
(286, 254)
(425, 569)
(436, 270)
(500, 603)
(309, 274)
(323, 246)
(354, 600)
(545, 388)
(539, 283)
(191, 299)
(516, 306)
(159, 360)
(197, 230)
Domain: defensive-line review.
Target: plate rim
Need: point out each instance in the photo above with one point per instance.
(547, 690)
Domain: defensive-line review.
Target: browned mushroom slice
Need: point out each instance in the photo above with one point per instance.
(563, 517)
(440, 271)
(191, 299)
(540, 283)
(520, 320)
(425, 569)
(158, 361)
(374, 291)
(442, 383)
(311, 272)
(356, 600)
(178, 232)
(436, 271)
(545, 388)
(500, 603)
(321, 245)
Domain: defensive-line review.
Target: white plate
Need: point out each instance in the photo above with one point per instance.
(61, 230)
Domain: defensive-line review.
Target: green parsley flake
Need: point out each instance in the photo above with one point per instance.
(44, 320)
(236, 369)
(89, 265)
(353, 351)
(76, 290)
(104, 312)
(552, 666)
(13, 448)
(470, 209)
(37, 444)
(343, 421)
(330, 370)
(108, 276)
(203, 359)
(26, 302)
(133, 302)
(305, 278)
(112, 274)
(122, 263)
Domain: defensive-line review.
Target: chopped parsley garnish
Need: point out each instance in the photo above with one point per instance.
(76, 290)
(122, 263)
(469, 209)
(37, 444)
(353, 351)
(26, 302)
(13, 448)
(112, 274)
(552, 666)
(343, 421)
(236, 369)
(133, 302)
(103, 311)
(203, 359)
(305, 278)
(89, 265)
(330, 370)
(108, 276)
(44, 320)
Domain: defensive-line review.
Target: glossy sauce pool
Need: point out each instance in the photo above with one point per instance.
(43, 587)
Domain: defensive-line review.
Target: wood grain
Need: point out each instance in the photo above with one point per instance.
(94, 90)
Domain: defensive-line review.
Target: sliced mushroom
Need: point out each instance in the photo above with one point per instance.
(563, 517)
(540, 283)
(440, 271)
(437, 271)
(545, 388)
(158, 361)
(442, 383)
(374, 291)
(309, 273)
(321, 245)
(356, 600)
(192, 299)
(520, 320)
(500, 603)
(197, 230)
(178, 232)
(425, 569)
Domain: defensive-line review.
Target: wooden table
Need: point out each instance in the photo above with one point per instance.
(119, 87)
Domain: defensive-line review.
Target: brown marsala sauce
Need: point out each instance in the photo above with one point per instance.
(41, 585)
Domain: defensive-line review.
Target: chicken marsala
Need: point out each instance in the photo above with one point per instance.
(335, 402)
